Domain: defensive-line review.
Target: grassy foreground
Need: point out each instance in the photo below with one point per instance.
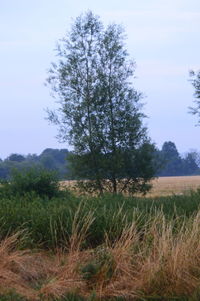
(114, 247)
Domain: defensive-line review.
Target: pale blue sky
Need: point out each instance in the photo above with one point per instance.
(162, 37)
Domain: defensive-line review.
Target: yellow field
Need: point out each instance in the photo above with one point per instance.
(174, 185)
(164, 185)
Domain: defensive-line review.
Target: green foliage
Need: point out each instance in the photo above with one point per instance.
(167, 164)
(195, 80)
(55, 160)
(12, 297)
(16, 158)
(50, 223)
(50, 159)
(102, 266)
(172, 159)
(34, 180)
(100, 111)
(73, 297)
(172, 164)
(76, 297)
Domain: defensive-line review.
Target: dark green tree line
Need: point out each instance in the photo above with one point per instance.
(173, 164)
(49, 159)
(168, 158)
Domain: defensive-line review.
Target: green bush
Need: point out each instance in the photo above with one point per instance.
(36, 181)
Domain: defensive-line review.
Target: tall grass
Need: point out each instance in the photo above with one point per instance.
(50, 222)
(156, 260)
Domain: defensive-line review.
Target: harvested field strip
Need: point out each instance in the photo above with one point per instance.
(174, 185)
(162, 186)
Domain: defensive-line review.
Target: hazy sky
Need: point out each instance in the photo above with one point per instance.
(162, 37)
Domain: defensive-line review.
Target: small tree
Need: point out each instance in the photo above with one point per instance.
(100, 112)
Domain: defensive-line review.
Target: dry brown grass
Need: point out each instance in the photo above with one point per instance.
(66, 277)
(16, 270)
(156, 260)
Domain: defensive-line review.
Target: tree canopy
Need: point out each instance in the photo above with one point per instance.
(50, 159)
(173, 164)
(195, 80)
(99, 110)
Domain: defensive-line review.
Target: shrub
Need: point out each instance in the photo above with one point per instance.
(33, 180)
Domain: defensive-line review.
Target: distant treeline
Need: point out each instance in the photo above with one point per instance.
(50, 159)
(173, 164)
(168, 158)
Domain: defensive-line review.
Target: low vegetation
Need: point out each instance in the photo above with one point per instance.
(35, 180)
(158, 259)
(50, 221)
(75, 248)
